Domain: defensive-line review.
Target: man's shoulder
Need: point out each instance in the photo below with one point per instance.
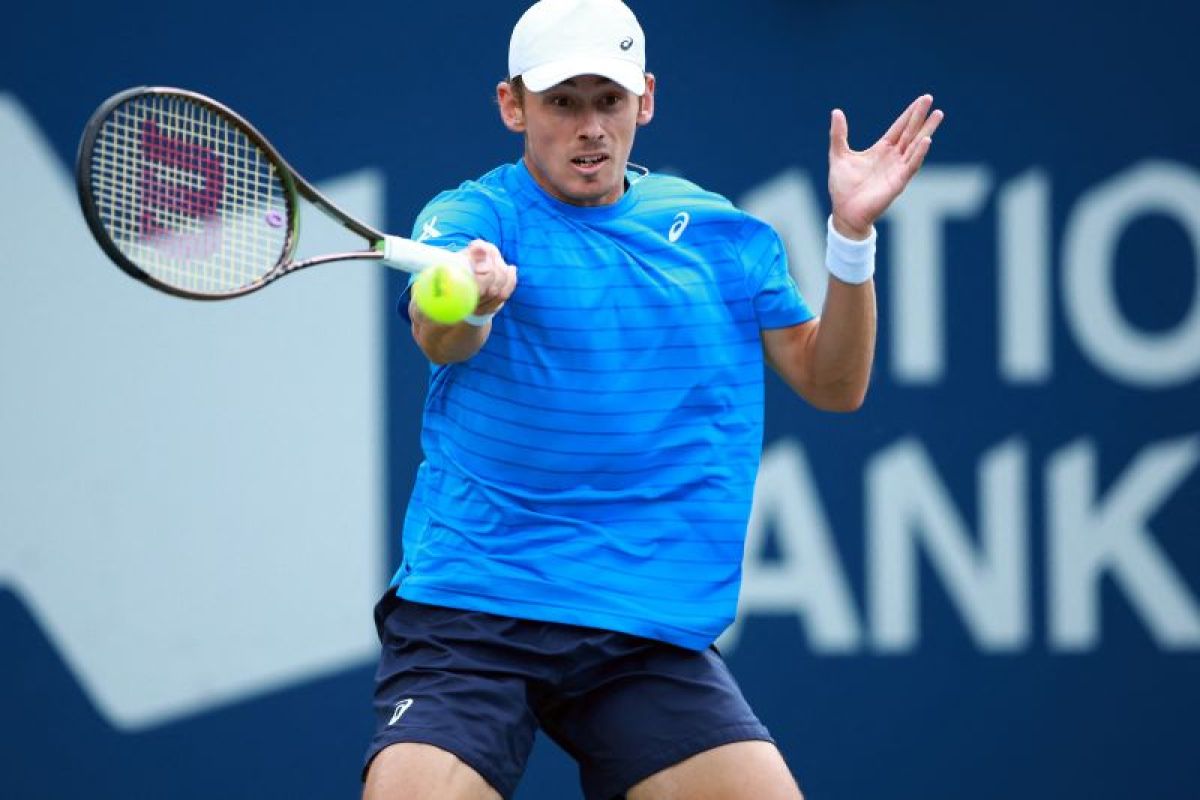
(491, 190)
(679, 198)
(663, 187)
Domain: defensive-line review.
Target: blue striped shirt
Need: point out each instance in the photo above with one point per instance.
(593, 464)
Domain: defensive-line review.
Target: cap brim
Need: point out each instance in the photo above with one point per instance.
(626, 73)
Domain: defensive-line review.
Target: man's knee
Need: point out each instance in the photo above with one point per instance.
(752, 770)
(412, 771)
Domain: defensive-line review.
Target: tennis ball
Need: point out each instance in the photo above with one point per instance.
(446, 293)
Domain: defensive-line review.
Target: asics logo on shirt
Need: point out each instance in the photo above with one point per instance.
(429, 230)
(401, 707)
(678, 226)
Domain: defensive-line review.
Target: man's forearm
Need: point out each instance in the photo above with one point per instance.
(446, 344)
(843, 347)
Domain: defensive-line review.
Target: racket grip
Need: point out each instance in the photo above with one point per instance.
(409, 256)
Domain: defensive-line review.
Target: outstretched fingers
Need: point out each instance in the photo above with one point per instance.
(893, 134)
(839, 133)
(916, 155)
(926, 132)
(916, 120)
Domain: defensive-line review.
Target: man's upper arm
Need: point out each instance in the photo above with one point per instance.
(786, 324)
(773, 293)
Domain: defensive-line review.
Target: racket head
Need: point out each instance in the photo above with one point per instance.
(185, 195)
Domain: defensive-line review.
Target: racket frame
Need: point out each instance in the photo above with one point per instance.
(293, 184)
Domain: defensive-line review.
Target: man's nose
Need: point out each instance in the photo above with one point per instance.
(589, 125)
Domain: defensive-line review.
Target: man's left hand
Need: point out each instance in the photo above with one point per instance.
(863, 184)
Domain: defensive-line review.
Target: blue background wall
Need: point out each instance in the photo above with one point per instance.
(1053, 110)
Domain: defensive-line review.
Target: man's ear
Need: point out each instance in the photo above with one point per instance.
(512, 112)
(646, 109)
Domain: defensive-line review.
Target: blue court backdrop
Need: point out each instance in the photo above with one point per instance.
(984, 584)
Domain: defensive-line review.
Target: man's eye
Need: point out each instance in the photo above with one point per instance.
(560, 102)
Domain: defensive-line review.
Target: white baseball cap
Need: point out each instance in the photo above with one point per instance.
(558, 39)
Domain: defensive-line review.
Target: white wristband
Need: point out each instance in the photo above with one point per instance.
(478, 320)
(848, 260)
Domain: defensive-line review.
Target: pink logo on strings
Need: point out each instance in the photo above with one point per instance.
(172, 198)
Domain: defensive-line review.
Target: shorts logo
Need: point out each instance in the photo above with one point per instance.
(401, 707)
(677, 227)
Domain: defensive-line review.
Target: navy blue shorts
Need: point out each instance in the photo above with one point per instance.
(479, 686)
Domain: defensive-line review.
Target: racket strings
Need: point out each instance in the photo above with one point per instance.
(187, 196)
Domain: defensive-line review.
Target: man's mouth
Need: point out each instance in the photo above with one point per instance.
(589, 161)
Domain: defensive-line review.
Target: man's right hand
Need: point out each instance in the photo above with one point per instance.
(496, 279)
(445, 344)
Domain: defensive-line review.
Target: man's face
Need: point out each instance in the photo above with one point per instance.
(578, 135)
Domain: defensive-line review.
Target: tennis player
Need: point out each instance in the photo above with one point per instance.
(592, 433)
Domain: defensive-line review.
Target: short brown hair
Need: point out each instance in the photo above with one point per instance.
(518, 87)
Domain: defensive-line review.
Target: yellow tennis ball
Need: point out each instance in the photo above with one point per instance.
(446, 293)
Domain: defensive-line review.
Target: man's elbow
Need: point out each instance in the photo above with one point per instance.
(442, 356)
(440, 348)
(848, 405)
(841, 399)
(840, 405)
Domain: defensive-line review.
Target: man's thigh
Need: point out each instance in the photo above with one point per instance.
(737, 771)
(412, 771)
(637, 707)
(450, 695)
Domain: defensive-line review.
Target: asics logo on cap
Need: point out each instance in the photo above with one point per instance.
(627, 43)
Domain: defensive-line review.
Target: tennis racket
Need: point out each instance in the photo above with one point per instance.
(186, 196)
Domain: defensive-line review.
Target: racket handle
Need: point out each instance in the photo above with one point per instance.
(409, 256)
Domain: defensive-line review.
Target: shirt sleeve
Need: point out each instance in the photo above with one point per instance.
(452, 220)
(776, 298)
